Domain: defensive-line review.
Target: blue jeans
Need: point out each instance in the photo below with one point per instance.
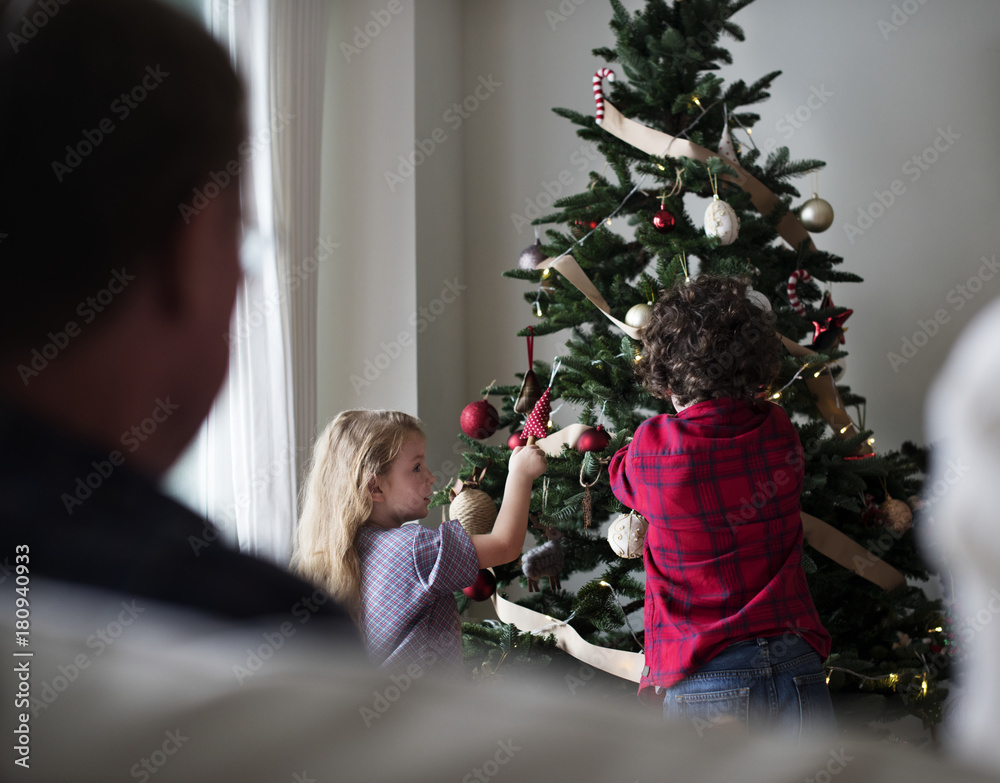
(774, 684)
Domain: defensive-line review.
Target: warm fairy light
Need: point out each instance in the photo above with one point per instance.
(696, 101)
(845, 428)
(548, 425)
(817, 373)
(828, 678)
(871, 441)
(749, 131)
(661, 168)
(923, 686)
(546, 273)
(638, 358)
(893, 679)
(604, 584)
(936, 630)
(608, 221)
(776, 396)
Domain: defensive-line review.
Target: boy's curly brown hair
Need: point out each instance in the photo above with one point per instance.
(706, 340)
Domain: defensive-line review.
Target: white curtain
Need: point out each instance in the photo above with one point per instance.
(242, 470)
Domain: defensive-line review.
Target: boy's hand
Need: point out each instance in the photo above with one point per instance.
(528, 462)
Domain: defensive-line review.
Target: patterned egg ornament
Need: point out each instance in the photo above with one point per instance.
(627, 535)
(721, 221)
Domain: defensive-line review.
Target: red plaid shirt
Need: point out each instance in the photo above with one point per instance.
(719, 483)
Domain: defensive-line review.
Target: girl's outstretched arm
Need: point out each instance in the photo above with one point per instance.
(504, 543)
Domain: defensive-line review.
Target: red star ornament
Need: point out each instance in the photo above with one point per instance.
(830, 332)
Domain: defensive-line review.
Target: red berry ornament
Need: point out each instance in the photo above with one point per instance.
(484, 586)
(664, 221)
(596, 439)
(480, 420)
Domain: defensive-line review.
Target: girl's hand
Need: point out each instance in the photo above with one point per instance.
(528, 462)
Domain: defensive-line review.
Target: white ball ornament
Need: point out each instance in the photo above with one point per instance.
(721, 221)
(627, 535)
(637, 315)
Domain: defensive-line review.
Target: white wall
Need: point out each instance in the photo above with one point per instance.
(888, 92)
(367, 295)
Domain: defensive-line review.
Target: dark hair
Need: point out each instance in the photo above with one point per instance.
(706, 340)
(148, 105)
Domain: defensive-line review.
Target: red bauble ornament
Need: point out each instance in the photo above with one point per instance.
(480, 420)
(484, 586)
(596, 439)
(664, 221)
(517, 439)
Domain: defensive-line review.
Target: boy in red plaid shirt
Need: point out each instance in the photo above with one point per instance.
(731, 632)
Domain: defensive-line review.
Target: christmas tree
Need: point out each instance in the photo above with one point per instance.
(631, 235)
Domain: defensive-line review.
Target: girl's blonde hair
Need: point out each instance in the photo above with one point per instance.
(351, 451)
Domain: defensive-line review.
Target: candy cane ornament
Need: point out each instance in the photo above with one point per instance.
(599, 90)
(793, 281)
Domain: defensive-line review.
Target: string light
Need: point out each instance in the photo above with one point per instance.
(817, 373)
(939, 629)
(845, 428)
(871, 441)
(776, 395)
(696, 101)
(923, 686)
(828, 678)
(627, 622)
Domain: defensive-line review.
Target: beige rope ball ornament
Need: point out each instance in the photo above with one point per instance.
(475, 510)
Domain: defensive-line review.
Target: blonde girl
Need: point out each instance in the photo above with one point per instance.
(369, 477)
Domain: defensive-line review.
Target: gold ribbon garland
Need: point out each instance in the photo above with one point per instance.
(657, 143)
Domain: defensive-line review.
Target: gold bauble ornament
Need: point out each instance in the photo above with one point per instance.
(898, 516)
(627, 535)
(816, 214)
(638, 314)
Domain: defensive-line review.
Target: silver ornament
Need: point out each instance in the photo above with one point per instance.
(531, 256)
(816, 214)
(637, 315)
